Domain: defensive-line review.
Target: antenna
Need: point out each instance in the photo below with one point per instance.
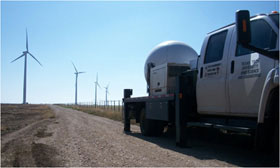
(76, 84)
(25, 53)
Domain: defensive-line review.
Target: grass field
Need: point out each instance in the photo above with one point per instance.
(114, 115)
(99, 111)
(17, 116)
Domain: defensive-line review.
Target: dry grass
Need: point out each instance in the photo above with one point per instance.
(114, 115)
(17, 116)
(107, 113)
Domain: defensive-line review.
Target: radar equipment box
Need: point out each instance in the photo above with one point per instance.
(163, 78)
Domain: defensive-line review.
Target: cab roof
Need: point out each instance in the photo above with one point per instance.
(234, 22)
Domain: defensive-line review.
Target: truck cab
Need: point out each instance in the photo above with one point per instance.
(230, 77)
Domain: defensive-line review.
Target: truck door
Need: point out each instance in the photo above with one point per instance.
(247, 69)
(211, 81)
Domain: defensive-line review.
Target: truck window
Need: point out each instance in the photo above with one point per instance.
(215, 47)
(262, 37)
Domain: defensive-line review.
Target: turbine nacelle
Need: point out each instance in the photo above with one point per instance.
(24, 53)
(77, 73)
(96, 82)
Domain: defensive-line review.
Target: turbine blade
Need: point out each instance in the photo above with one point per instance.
(34, 58)
(98, 85)
(81, 72)
(75, 68)
(97, 80)
(18, 58)
(26, 40)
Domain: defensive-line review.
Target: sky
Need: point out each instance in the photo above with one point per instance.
(112, 39)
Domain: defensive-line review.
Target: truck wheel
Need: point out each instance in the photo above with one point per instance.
(159, 127)
(276, 143)
(267, 135)
(146, 125)
(276, 132)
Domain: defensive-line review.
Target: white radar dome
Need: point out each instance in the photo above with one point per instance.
(170, 52)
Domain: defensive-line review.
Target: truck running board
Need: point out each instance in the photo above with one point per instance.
(218, 126)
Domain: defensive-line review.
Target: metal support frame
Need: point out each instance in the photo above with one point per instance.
(185, 105)
(127, 93)
(180, 118)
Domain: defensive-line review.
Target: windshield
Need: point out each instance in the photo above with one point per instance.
(275, 18)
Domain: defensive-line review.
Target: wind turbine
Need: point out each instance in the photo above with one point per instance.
(106, 93)
(24, 53)
(76, 85)
(96, 84)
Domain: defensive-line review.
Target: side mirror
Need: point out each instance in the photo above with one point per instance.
(243, 26)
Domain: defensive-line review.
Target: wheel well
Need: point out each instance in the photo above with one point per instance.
(271, 120)
(266, 131)
(272, 107)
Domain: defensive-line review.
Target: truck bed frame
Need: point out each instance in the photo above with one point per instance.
(180, 109)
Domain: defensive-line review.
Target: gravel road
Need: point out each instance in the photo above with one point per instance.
(75, 138)
(87, 140)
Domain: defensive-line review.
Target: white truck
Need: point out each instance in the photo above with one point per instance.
(233, 84)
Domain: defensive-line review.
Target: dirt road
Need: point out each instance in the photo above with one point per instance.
(74, 138)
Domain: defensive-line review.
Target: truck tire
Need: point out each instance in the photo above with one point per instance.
(146, 125)
(276, 129)
(276, 144)
(267, 134)
(159, 127)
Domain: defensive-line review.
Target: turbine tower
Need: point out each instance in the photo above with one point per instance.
(76, 85)
(96, 84)
(106, 93)
(24, 53)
